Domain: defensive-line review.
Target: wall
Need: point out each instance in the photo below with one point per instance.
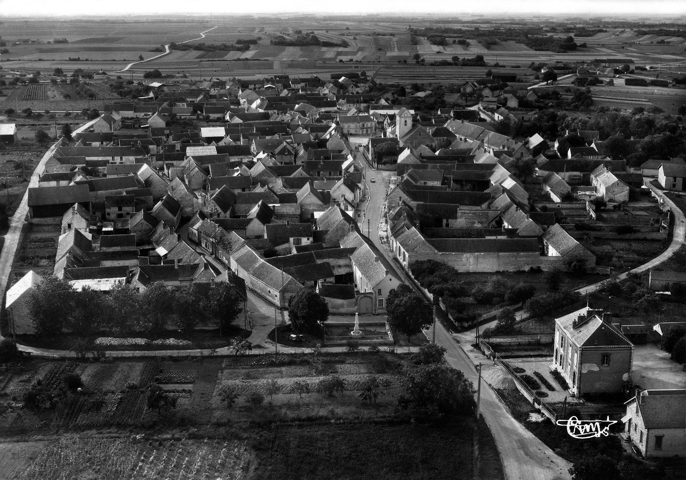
(595, 378)
(338, 306)
(19, 313)
(673, 442)
(491, 262)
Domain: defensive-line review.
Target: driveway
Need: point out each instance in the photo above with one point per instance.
(653, 368)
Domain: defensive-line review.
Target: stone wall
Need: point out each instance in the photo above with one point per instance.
(492, 262)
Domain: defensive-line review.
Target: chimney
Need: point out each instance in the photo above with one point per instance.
(288, 223)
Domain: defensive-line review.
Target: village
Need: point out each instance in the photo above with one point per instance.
(549, 259)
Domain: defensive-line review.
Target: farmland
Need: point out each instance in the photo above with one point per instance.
(292, 435)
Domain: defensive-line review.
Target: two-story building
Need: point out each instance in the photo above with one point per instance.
(591, 354)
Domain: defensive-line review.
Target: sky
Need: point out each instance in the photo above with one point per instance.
(171, 7)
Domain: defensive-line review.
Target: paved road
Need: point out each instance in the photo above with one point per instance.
(167, 51)
(523, 455)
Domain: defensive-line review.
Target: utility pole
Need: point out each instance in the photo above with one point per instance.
(478, 392)
(369, 227)
(435, 312)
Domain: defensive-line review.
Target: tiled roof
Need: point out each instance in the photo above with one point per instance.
(591, 330)
(339, 292)
(118, 241)
(560, 240)
(43, 196)
(663, 409)
(485, 245)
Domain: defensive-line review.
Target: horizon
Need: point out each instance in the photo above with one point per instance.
(537, 8)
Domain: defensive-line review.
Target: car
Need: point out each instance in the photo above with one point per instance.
(373, 179)
(296, 337)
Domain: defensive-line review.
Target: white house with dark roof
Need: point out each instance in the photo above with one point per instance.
(671, 176)
(655, 422)
(590, 353)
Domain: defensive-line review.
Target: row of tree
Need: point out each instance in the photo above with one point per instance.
(54, 306)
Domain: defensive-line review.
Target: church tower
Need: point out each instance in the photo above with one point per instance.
(403, 123)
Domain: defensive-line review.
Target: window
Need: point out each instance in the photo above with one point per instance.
(297, 241)
(379, 291)
(658, 442)
(573, 379)
(640, 438)
(635, 427)
(379, 303)
(606, 359)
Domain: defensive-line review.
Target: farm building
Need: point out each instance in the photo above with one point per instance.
(665, 281)
(16, 304)
(671, 176)
(48, 204)
(8, 133)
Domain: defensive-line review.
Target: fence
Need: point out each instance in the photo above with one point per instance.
(519, 383)
(539, 339)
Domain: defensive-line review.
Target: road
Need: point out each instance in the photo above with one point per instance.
(523, 455)
(167, 51)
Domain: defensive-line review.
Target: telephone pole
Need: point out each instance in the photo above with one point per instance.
(478, 392)
(434, 297)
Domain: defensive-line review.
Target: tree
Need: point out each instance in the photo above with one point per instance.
(330, 385)
(159, 399)
(506, 322)
(188, 312)
(401, 92)
(489, 72)
(600, 466)
(42, 137)
(671, 337)
(28, 112)
(228, 394)
(58, 72)
(223, 306)
(416, 57)
(371, 389)
(679, 350)
(273, 388)
(158, 304)
(554, 280)
(520, 293)
(87, 314)
(523, 168)
(436, 390)
(93, 114)
(124, 313)
(307, 310)
(455, 59)
(9, 112)
(66, 131)
(140, 57)
(153, 74)
(301, 388)
(429, 354)
(50, 304)
(407, 312)
(549, 76)
(650, 304)
(255, 399)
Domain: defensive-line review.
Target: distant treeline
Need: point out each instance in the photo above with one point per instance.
(305, 40)
(531, 37)
(662, 31)
(240, 46)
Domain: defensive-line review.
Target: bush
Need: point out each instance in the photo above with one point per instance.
(679, 351)
(8, 350)
(331, 385)
(530, 382)
(72, 381)
(624, 229)
(352, 346)
(541, 394)
(254, 399)
(560, 379)
(429, 354)
(671, 337)
(544, 381)
(518, 369)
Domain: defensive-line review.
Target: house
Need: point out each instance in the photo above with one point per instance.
(49, 204)
(667, 281)
(16, 304)
(167, 210)
(346, 189)
(76, 218)
(158, 120)
(655, 422)
(294, 234)
(119, 206)
(591, 354)
(333, 225)
(556, 187)
(373, 274)
(106, 123)
(141, 225)
(608, 186)
(8, 133)
(357, 124)
(671, 176)
(433, 178)
(558, 243)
